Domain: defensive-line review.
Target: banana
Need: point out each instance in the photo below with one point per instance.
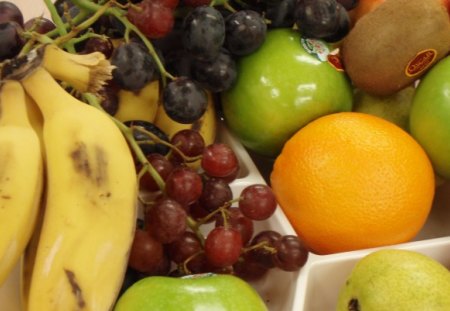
(206, 125)
(84, 72)
(140, 105)
(21, 176)
(91, 202)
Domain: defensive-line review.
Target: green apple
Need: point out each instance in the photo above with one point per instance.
(394, 279)
(280, 88)
(394, 108)
(429, 121)
(209, 292)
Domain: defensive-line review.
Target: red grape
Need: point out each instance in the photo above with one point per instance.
(146, 252)
(184, 185)
(223, 246)
(184, 247)
(291, 254)
(257, 202)
(166, 220)
(235, 219)
(40, 25)
(249, 269)
(153, 19)
(9, 12)
(216, 192)
(161, 165)
(219, 160)
(261, 255)
(189, 142)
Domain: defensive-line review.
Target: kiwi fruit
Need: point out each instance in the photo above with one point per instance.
(392, 46)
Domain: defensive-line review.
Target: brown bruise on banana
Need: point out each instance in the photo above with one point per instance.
(76, 289)
(5, 156)
(92, 166)
(197, 125)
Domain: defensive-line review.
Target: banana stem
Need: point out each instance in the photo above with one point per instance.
(128, 133)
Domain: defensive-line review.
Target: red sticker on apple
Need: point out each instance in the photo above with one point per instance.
(420, 62)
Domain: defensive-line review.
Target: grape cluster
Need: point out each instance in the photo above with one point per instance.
(195, 44)
(195, 224)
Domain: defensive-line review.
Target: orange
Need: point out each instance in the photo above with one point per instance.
(349, 181)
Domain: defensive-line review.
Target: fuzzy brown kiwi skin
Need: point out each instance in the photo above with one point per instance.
(382, 43)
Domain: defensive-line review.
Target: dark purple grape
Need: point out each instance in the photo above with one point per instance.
(203, 32)
(40, 25)
(349, 4)
(147, 144)
(281, 14)
(219, 160)
(162, 165)
(10, 40)
(9, 12)
(178, 62)
(223, 246)
(257, 202)
(235, 219)
(184, 247)
(322, 19)
(184, 100)
(184, 185)
(166, 220)
(216, 75)
(109, 99)
(62, 5)
(291, 254)
(134, 66)
(245, 32)
(146, 252)
(260, 254)
(216, 192)
(96, 44)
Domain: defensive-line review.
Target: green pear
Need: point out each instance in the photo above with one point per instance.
(211, 292)
(400, 280)
(394, 108)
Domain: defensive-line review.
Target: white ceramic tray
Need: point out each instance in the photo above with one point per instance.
(316, 286)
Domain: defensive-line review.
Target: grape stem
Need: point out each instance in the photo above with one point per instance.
(120, 15)
(185, 268)
(128, 133)
(58, 23)
(263, 244)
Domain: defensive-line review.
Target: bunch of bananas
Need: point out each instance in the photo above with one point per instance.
(68, 186)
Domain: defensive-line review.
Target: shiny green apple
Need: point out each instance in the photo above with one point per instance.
(209, 292)
(429, 120)
(280, 88)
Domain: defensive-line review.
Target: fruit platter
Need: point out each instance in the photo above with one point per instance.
(225, 155)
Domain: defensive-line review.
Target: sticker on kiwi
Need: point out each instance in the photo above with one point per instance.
(420, 62)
